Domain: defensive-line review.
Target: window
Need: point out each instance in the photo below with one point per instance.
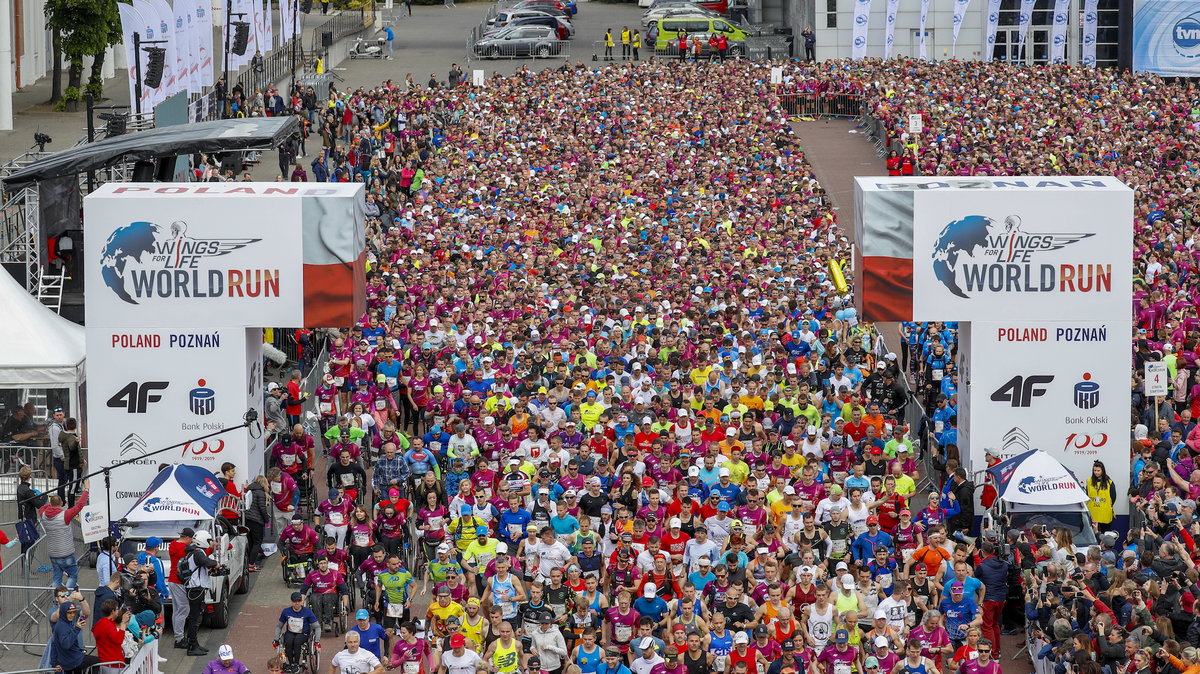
(697, 26)
(831, 13)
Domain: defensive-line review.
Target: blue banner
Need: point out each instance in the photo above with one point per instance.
(1166, 37)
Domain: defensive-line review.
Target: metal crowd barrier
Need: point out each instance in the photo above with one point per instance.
(559, 49)
(818, 105)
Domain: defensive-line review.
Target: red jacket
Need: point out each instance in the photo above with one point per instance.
(109, 638)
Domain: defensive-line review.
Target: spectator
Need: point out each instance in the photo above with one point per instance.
(60, 540)
(109, 633)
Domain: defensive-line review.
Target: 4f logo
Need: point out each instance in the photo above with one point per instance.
(1020, 391)
(136, 397)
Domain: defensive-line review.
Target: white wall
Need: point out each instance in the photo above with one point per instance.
(835, 42)
(35, 62)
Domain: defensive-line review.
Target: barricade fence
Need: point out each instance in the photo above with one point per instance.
(818, 105)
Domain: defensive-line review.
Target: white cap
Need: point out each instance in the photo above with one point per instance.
(647, 642)
(811, 430)
(225, 652)
(502, 548)
(841, 566)
(489, 420)
(597, 428)
(879, 613)
(789, 490)
(514, 462)
(675, 523)
(789, 443)
(848, 581)
(723, 472)
(694, 471)
(881, 641)
(806, 570)
(730, 432)
(741, 638)
(273, 386)
(444, 547)
(649, 591)
(705, 561)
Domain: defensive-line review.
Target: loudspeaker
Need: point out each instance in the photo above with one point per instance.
(143, 172)
(327, 38)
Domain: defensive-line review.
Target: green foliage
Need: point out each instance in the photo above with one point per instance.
(87, 27)
(95, 88)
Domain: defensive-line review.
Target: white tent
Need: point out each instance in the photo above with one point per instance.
(42, 350)
(1036, 478)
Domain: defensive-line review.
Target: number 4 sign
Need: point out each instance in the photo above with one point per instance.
(1156, 379)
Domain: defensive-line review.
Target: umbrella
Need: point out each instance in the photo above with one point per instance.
(1036, 478)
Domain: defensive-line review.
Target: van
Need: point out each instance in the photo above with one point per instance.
(669, 29)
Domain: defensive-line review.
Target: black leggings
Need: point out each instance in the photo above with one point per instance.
(393, 546)
(292, 643)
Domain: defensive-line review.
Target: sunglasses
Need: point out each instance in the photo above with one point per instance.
(984, 650)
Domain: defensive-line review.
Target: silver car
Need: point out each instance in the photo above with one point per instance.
(653, 16)
(519, 41)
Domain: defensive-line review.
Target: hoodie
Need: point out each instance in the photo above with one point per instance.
(65, 651)
(56, 520)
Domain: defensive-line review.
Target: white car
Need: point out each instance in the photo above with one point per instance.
(230, 550)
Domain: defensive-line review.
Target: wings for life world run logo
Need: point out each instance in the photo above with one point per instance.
(1035, 485)
(144, 260)
(979, 254)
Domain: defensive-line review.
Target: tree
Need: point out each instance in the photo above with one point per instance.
(83, 28)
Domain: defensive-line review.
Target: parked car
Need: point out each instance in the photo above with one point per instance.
(653, 16)
(230, 549)
(719, 6)
(562, 28)
(568, 7)
(520, 41)
(505, 17)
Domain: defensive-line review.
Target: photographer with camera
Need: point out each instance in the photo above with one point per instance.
(141, 595)
(195, 570)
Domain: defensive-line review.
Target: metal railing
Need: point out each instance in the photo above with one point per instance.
(818, 105)
(548, 49)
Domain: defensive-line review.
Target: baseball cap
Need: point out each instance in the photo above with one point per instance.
(956, 588)
(806, 570)
(187, 532)
(848, 581)
(153, 542)
(723, 506)
(362, 614)
(789, 490)
(457, 640)
(841, 566)
(872, 520)
(741, 638)
(273, 386)
(841, 637)
(729, 432)
(649, 591)
(871, 662)
(811, 430)
(225, 652)
(296, 596)
(694, 471)
(647, 642)
(675, 523)
(502, 548)
(705, 561)
(481, 531)
(723, 471)
(881, 641)
(788, 645)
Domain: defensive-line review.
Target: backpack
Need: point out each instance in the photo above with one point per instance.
(185, 568)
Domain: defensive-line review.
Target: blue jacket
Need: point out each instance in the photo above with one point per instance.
(993, 572)
(66, 652)
(863, 548)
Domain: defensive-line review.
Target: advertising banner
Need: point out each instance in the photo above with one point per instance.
(993, 24)
(151, 388)
(862, 18)
(204, 39)
(1024, 20)
(1166, 37)
(181, 254)
(1061, 387)
(132, 22)
(974, 248)
(889, 39)
(960, 13)
(924, 33)
(1058, 35)
(1091, 21)
(172, 75)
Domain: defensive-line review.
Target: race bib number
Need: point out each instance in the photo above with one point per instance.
(750, 530)
(937, 375)
(514, 531)
(295, 625)
(380, 404)
(841, 668)
(339, 381)
(482, 560)
(392, 381)
(412, 667)
(435, 446)
(289, 459)
(719, 663)
(395, 610)
(435, 523)
(337, 518)
(325, 407)
(361, 538)
(347, 479)
(938, 426)
(623, 633)
(276, 487)
(334, 566)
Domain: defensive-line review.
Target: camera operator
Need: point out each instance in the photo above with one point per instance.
(141, 595)
(199, 568)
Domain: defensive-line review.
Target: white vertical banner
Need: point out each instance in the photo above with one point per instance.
(268, 26)
(183, 54)
(993, 24)
(195, 81)
(150, 31)
(960, 12)
(257, 29)
(890, 30)
(924, 17)
(1058, 35)
(166, 31)
(862, 17)
(131, 22)
(1024, 19)
(204, 37)
(1090, 21)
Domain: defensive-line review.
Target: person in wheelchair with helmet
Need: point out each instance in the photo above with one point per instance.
(328, 593)
(298, 542)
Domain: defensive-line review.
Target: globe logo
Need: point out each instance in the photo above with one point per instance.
(860, 41)
(1186, 36)
(861, 20)
(1090, 17)
(1023, 18)
(1089, 39)
(1060, 39)
(891, 19)
(957, 19)
(1060, 19)
(994, 18)
(1089, 61)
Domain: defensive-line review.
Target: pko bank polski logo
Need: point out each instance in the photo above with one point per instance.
(1186, 36)
(144, 260)
(980, 255)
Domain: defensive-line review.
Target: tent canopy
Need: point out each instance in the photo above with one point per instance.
(41, 348)
(221, 135)
(1036, 478)
(179, 492)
